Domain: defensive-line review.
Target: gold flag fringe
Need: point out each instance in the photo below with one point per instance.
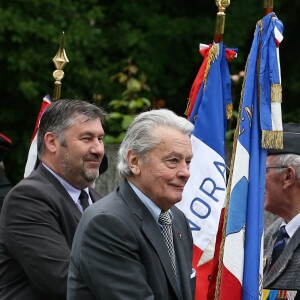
(213, 54)
(186, 112)
(272, 139)
(276, 93)
(229, 109)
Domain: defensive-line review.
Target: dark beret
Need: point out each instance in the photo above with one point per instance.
(5, 144)
(291, 140)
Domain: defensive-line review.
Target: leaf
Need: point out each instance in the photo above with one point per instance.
(127, 120)
(114, 115)
(134, 85)
(117, 104)
(146, 102)
(133, 104)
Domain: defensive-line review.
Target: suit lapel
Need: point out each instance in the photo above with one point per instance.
(63, 194)
(268, 254)
(152, 231)
(154, 235)
(181, 259)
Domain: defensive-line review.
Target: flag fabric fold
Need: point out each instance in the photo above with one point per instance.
(204, 193)
(240, 273)
(32, 153)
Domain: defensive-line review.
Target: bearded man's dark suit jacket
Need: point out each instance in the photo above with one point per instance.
(37, 225)
(285, 273)
(119, 253)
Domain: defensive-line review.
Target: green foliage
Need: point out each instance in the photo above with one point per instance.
(131, 103)
(162, 36)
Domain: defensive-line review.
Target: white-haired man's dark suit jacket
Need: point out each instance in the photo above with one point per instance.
(37, 225)
(285, 273)
(119, 253)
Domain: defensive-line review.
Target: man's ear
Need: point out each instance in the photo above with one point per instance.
(51, 142)
(133, 162)
(290, 177)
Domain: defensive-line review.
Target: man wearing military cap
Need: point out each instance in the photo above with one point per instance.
(282, 198)
(5, 184)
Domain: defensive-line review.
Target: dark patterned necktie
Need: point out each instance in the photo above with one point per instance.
(279, 244)
(84, 199)
(165, 220)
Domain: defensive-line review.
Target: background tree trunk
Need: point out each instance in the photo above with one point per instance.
(108, 181)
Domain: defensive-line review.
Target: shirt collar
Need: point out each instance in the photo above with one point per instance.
(292, 225)
(152, 207)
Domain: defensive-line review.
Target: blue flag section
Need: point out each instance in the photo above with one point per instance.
(241, 276)
(209, 112)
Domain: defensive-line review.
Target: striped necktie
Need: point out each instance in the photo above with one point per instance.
(167, 232)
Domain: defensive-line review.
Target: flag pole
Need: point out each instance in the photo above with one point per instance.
(218, 38)
(220, 20)
(60, 60)
(268, 7)
(219, 33)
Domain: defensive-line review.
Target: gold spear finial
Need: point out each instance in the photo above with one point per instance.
(268, 7)
(220, 21)
(60, 60)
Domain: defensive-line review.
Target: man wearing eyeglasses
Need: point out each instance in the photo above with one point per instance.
(282, 198)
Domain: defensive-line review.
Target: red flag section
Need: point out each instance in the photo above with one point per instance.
(32, 154)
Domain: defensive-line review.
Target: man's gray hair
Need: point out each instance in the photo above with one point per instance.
(140, 136)
(292, 160)
(61, 115)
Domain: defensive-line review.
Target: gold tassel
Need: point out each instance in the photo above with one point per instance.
(276, 93)
(229, 109)
(187, 107)
(260, 24)
(213, 54)
(272, 139)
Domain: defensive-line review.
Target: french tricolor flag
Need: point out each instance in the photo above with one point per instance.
(204, 193)
(240, 272)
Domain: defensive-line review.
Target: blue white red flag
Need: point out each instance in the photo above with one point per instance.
(204, 193)
(32, 154)
(259, 127)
